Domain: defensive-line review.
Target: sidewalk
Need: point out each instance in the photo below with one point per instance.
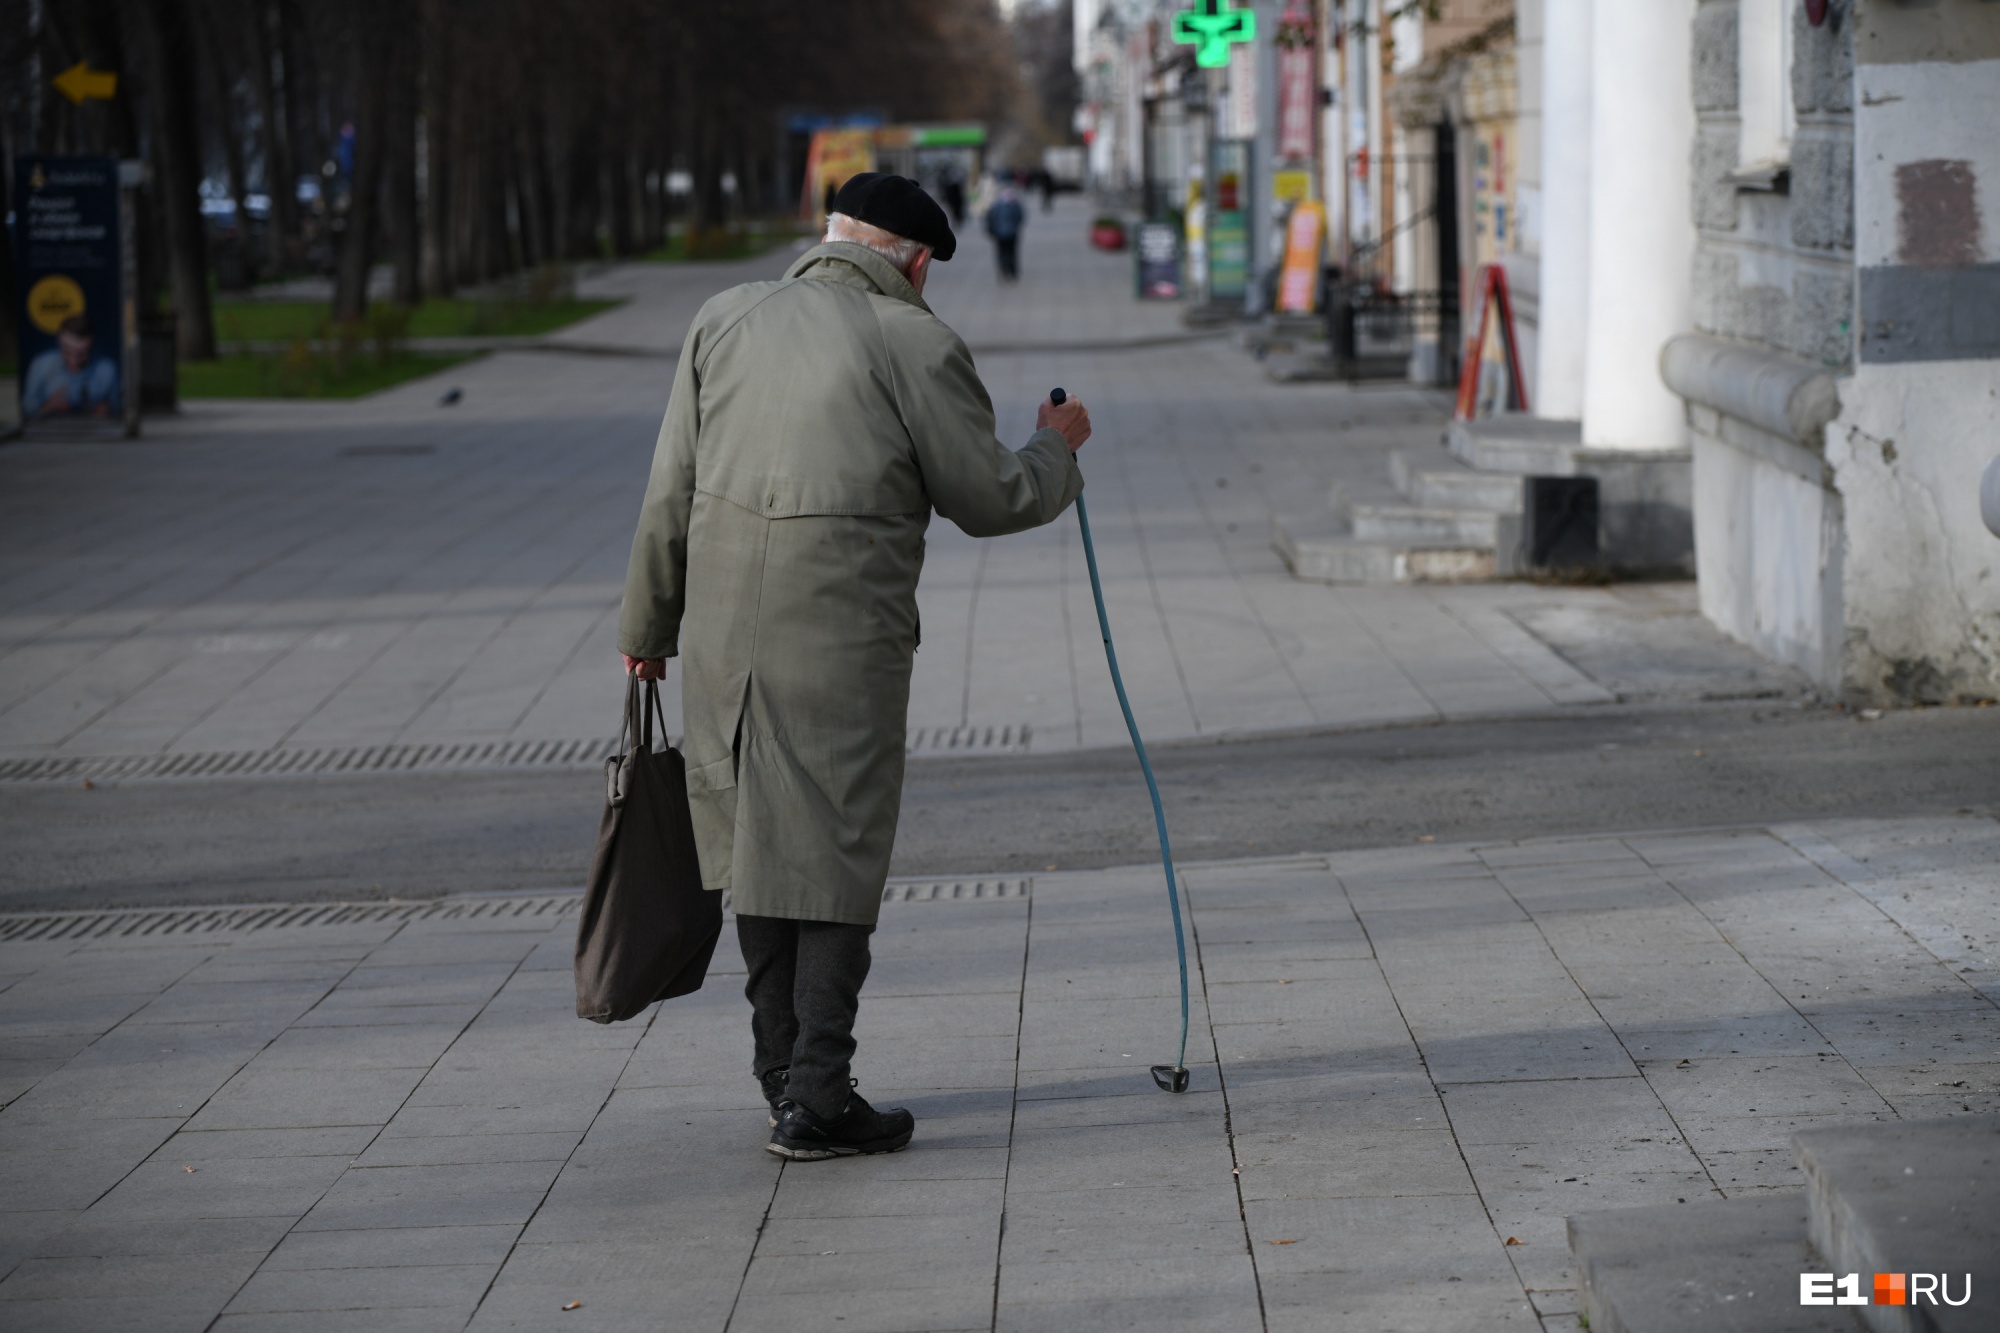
(1409, 1066)
(338, 582)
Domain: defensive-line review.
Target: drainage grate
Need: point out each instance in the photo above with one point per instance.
(548, 908)
(433, 758)
(138, 924)
(969, 740)
(301, 763)
(957, 890)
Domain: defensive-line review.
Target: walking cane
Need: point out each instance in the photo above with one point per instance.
(1173, 1077)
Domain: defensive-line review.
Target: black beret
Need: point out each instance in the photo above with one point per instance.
(898, 205)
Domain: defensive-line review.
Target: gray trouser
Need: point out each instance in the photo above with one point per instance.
(804, 989)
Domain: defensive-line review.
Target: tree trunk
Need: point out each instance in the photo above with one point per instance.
(438, 264)
(215, 58)
(399, 189)
(273, 133)
(170, 65)
(371, 95)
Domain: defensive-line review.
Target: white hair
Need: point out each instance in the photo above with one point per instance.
(898, 250)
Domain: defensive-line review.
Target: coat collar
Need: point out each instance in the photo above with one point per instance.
(878, 272)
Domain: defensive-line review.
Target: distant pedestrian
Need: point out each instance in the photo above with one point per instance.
(1044, 180)
(954, 195)
(814, 425)
(1004, 222)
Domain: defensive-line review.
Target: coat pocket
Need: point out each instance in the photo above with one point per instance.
(712, 805)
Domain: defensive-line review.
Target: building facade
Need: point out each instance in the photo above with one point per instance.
(1841, 377)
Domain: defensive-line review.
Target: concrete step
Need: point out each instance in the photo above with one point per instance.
(1522, 445)
(1723, 1266)
(1425, 525)
(1325, 550)
(1918, 1197)
(1434, 478)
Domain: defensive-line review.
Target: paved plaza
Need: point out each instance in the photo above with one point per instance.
(1410, 1064)
(322, 578)
(1408, 1067)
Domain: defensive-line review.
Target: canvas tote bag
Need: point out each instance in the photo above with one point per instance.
(648, 927)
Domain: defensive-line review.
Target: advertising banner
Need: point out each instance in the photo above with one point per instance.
(1298, 280)
(67, 271)
(1159, 258)
(1298, 83)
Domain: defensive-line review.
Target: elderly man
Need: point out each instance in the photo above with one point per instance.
(814, 425)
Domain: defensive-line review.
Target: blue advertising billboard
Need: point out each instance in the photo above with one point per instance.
(68, 269)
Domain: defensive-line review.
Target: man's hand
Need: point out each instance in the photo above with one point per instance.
(1071, 419)
(647, 668)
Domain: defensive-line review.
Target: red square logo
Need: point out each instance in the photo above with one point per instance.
(1891, 1289)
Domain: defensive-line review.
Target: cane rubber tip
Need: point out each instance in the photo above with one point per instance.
(1171, 1078)
(1058, 397)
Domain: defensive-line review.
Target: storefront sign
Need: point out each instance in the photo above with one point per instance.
(67, 271)
(1229, 224)
(1212, 27)
(1241, 103)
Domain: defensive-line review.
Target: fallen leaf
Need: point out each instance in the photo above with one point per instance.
(1515, 1240)
(1284, 981)
(1426, 837)
(574, 1305)
(1293, 1241)
(1048, 867)
(188, 1169)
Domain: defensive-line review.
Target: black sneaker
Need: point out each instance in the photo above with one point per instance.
(773, 1082)
(804, 1137)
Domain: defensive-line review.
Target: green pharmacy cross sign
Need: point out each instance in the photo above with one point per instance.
(1212, 26)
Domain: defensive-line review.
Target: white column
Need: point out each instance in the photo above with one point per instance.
(1565, 209)
(1641, 234)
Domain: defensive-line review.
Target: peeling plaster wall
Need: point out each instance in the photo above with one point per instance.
(1923, 574)
(1857, 552)
(1920, 415)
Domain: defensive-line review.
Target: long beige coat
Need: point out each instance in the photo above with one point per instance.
(815, 422)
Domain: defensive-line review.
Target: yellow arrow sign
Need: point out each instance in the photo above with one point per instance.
(80, 82)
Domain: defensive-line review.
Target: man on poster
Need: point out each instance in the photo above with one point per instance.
(67, 380)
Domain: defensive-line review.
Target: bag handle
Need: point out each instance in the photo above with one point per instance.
(640, 712)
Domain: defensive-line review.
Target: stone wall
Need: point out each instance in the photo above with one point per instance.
(1774, 263)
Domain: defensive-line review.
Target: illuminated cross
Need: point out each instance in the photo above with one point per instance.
(1211, 26)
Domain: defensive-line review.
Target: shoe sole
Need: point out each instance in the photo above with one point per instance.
(800, 1152)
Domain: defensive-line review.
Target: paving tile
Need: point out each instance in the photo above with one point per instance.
(1334, 1164)
(362, 1291)
(434, 1319)
(487, 1193)
(300, 1098)
(1597, 1110)
(466, 1149)
(393, 1247)
(164, 1192)
(154, 1312)
(210, 1274)
(67, 1162)
(93, 1235)
(220, 1145)
(22, 1233)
